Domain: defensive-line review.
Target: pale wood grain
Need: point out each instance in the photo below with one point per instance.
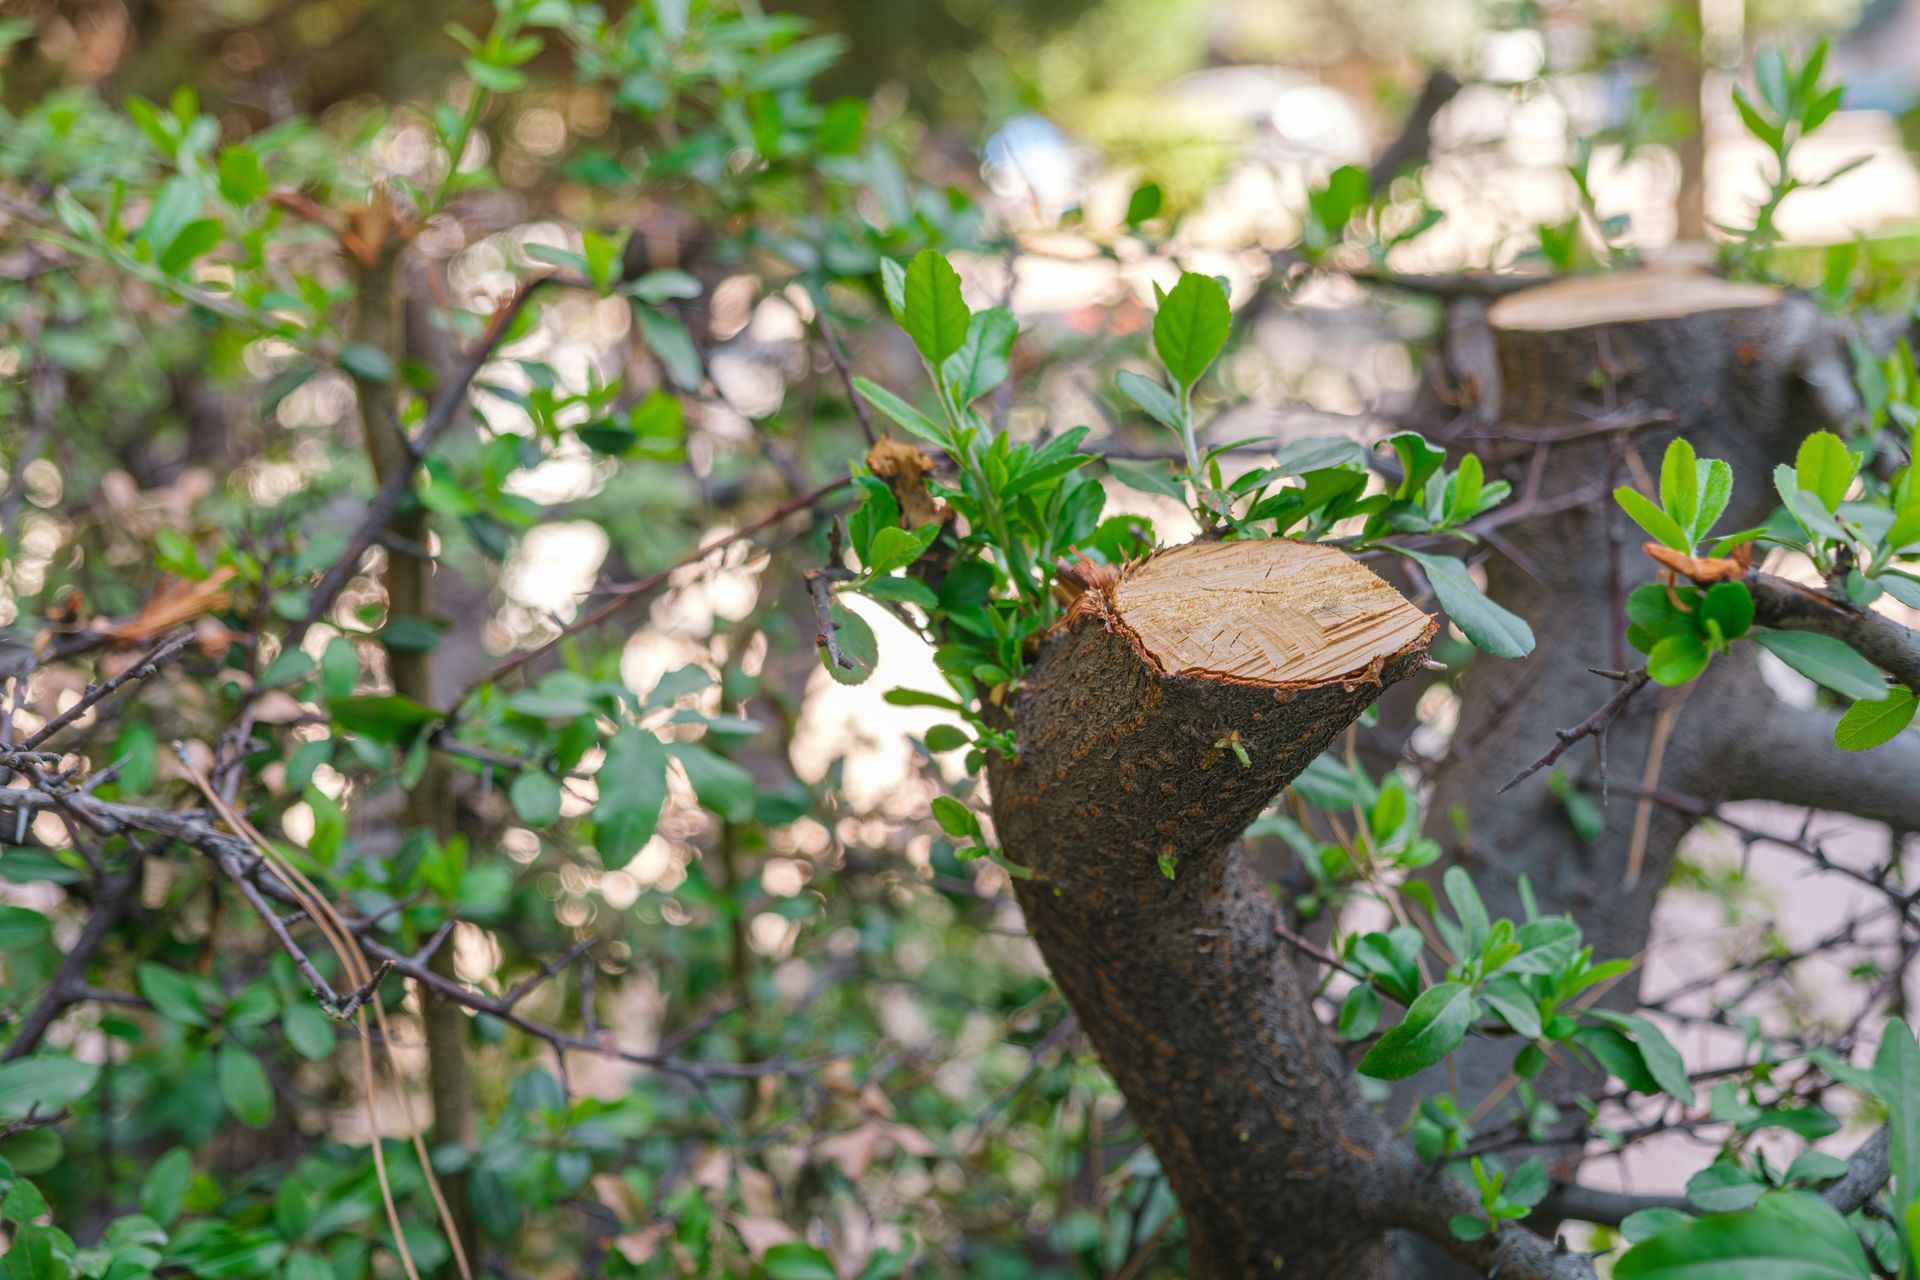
(1269, 611)
(1622, 297)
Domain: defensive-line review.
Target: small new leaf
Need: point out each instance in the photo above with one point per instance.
(1191, 327)
(932, 311)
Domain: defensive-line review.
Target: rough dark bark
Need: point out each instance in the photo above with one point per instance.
(1183, 986)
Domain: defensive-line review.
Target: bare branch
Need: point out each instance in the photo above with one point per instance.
(1594, 726)
(96, 694)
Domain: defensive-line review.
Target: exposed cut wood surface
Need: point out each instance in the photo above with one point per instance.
(1623, 297)
(1270, 611)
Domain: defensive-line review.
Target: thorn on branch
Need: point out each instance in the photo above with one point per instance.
(359, 995)
(824, 626)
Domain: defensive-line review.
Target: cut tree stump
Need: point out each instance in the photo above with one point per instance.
(1744, 372)
(1126, 775)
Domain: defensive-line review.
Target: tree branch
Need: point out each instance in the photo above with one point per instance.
(1877, 638)
(1787, 755)
(1414, 142)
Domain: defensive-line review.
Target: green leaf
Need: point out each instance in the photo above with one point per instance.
(1319, 453)
(368, 364)
(1648, 1223)
(722, 786)
(290, 667)
(1419, 460)
(1825, 468)
(796, 64)
(1664, 1063)
(1724, 1187)
(176, 205)
(893, 283)
(1508, 998)
(667, 338)
(1528, 1185)
(955, 818)
(932, 311)
(1153, 399)
(1146, 477)
(33, 1257)
(1191, 327)
(1486, 624)
(536, 797)
(1803, 506)
(1144, 203)
(1680, 484)
(390, 717)
(1716, 489)
(339, 668)
(1464, 498)
(982, 362)
(1867, 724)
(857, 644)
(1619, 1056)
(43, 1083)
(1435, 1025)
(307, 1266)
(165, 1190)
(1815, 1166)
(1728, 605)
(1825, 660)
(173, 995)
(796, 1261)
(1545, 946)
(1896, 1082)
(946, 737)
(196, 238)
(842, 126)
(900, 411)
(21, 929)
(1466, 905)
(242, 177)
(1677, 659)
(895, 548)
(244, 1085)
(1658, 524)
(493, 77)
(1789, 1235)
(1359, 1012)
(308, 1030)
(633, 785)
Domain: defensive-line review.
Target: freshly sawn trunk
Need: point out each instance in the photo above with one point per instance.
(1126, 801)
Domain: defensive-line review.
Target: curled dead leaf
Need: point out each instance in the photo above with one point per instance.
(180, 602)
(1703, 570)
(904, 467)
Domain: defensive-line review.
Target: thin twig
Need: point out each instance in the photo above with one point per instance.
(1594, 725)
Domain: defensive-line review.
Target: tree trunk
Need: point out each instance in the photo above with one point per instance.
(428, 805)
(1126, 802)
(1682, 77)
(1744, 372)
